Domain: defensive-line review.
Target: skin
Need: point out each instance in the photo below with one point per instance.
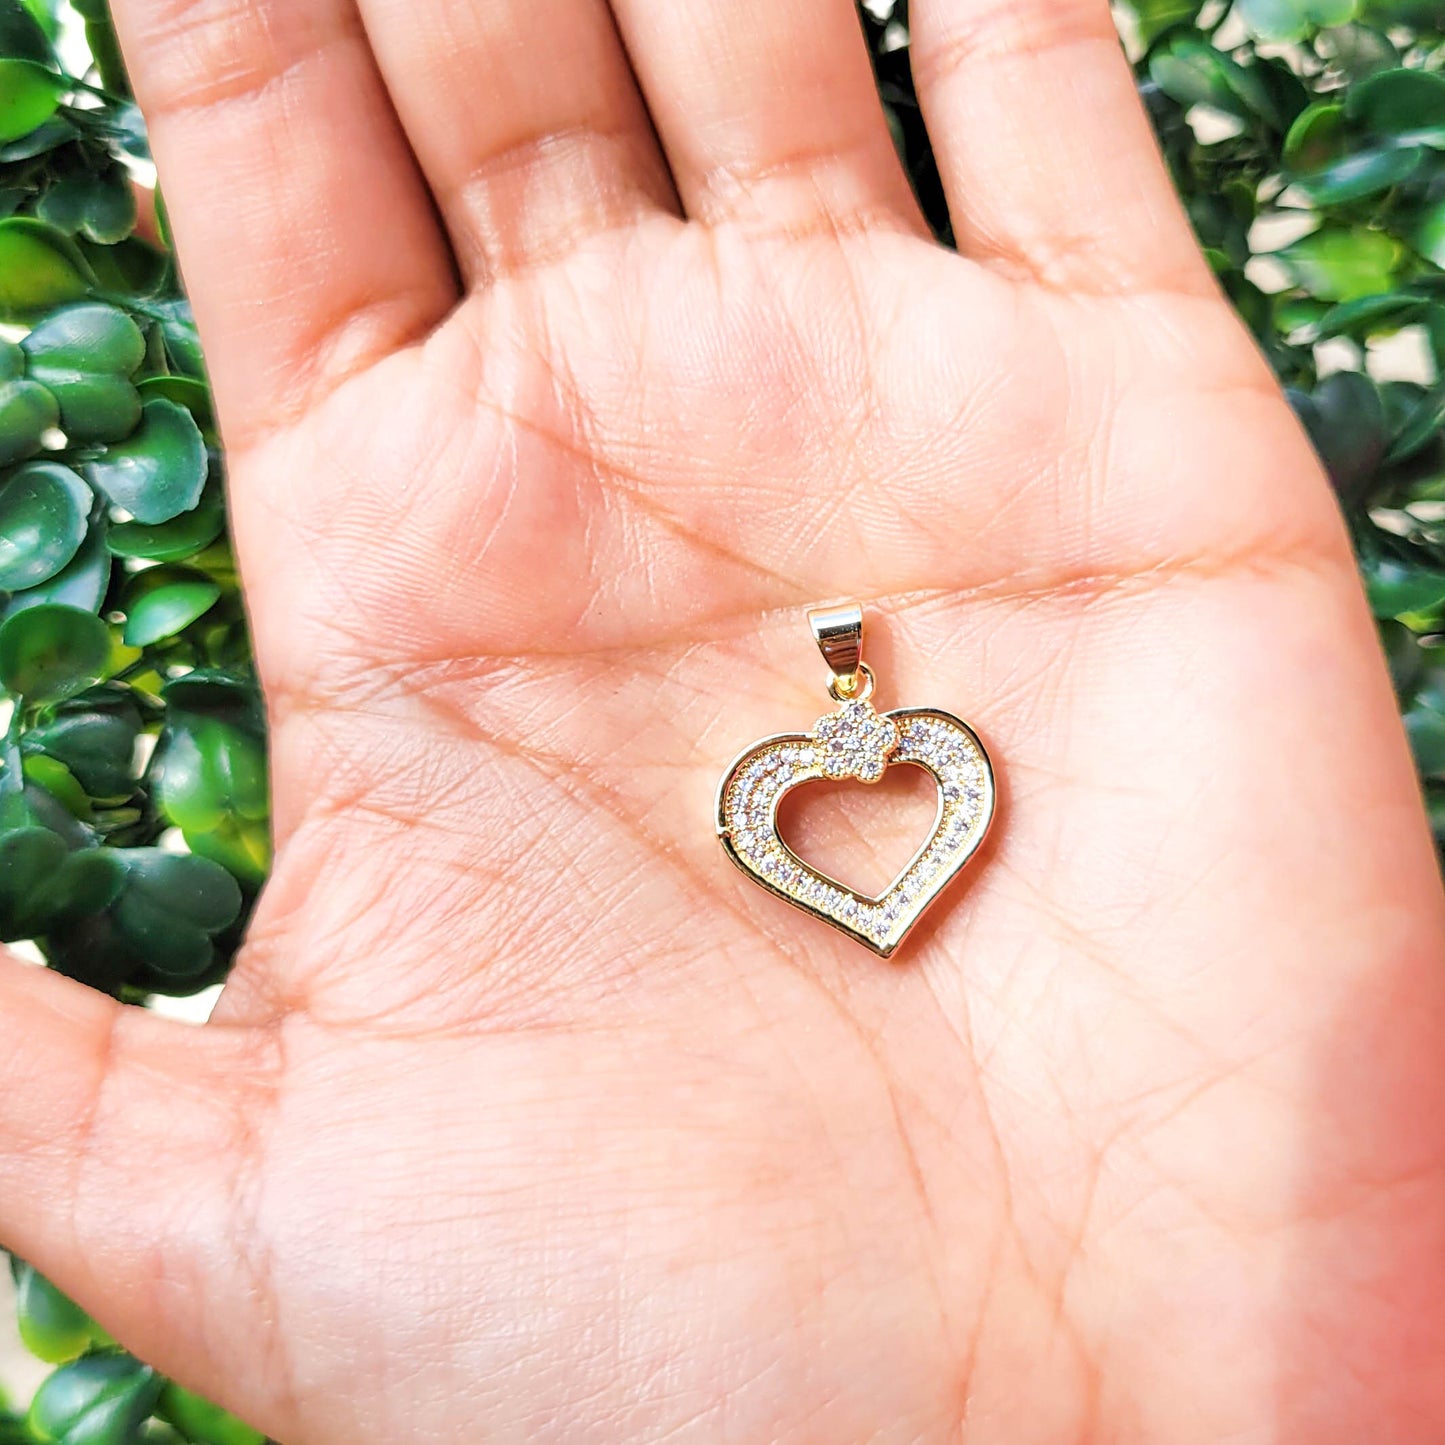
(564, 358)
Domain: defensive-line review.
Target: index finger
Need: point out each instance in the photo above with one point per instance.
(308, 239)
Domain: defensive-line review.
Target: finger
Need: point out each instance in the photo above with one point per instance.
(768, 112)
(526, 119)
(307, 237)
(1045, 152)
(118, 1158)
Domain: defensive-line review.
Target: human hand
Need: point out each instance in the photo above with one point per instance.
(524, 1117)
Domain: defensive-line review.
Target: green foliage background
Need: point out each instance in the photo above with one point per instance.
(1306, 136)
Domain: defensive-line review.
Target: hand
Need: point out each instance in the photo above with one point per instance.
(552, 397)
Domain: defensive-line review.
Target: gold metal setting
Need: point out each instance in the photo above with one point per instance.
(856, 741)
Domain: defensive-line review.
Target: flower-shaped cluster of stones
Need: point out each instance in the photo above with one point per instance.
(856, 742)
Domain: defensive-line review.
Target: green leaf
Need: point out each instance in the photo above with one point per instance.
(43, 512)
(209, 774)
(1157, 16)
(49, 652)
(83, 583)
(62, 785)
(1192, 72)
(1403, 653)
(171, 541)
(1425, 727)
(1427, 235)
(1316, 139)
(1293, 19)
(1341, 264)
(177, 327)
(1396, 589)
(40, 268)
(43, 881)
(1371, 314)
(42, 141)
(159, 471)
(85, 356)
(1366, 173)
(94, 735)
(21, 36)
(1286, 92)
(1423, 424)
(161, 601)
(202, 1422)
(99, 1399)
(185, 391)
(29, 96)
(54, 1328)
(97, 204)
(1346, 420)
(170, 908)
(27, 412)
(1406, 105)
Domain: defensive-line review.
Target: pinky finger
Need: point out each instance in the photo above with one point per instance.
(1046, 155)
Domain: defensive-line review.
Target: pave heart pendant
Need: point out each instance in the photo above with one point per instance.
(855, 741)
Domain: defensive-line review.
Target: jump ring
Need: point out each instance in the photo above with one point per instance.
(860, 691)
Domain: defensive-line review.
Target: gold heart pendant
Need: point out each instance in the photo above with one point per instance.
(855, 741)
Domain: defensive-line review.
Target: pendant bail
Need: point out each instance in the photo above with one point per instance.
(838, 631)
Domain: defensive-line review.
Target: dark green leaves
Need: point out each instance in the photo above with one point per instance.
(171, 906)
(1316, 138)
(49, 652)
(21, 37)
(99, 205)
(82, 583)
(1408, 106)
(43, 881)
(1361, 174)
(177, 328)
(100, 1399)
(183, 536)
(1191, 71)
(157, 472)
(85, 356)
(1424, 710)
(27, 409)
(1345, 417)
(43, 513)
(94, 736)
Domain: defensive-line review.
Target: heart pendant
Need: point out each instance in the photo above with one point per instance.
(855, 741)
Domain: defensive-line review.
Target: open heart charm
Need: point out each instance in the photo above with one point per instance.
(857, 742)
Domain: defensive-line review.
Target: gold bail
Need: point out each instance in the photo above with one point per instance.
(838, 631)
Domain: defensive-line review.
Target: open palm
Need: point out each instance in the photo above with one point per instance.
(560, 370)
